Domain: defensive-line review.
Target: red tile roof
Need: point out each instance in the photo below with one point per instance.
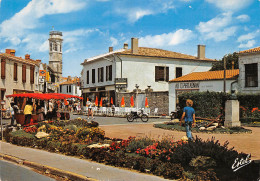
(155, 52)
(253, 50)
(210, 75)
(73, 81)
(19, 59)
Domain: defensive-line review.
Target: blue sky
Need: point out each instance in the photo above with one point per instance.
(90, 26)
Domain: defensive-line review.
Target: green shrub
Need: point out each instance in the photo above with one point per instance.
(211, 104)
(139, 143)
(22, 133)
(71, 127)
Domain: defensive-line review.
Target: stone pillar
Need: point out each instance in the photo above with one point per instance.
(232, 114)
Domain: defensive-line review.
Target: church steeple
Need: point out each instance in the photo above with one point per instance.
(55, 54)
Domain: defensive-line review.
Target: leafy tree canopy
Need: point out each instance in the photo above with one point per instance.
(219, 65)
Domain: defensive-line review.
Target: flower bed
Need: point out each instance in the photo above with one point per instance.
(174, 160)
(196, 129)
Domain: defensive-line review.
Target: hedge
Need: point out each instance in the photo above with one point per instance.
(210, 104)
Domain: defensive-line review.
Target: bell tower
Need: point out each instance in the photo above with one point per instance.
(55, 54)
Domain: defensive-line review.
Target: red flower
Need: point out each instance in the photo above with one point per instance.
(255, 109)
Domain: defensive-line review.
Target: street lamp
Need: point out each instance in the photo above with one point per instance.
(136, 86)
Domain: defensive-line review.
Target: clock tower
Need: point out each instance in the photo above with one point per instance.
(55, 54)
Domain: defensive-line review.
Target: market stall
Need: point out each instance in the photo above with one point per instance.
(19, 115)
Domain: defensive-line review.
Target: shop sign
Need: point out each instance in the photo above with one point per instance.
(121, 82)
(187, 85)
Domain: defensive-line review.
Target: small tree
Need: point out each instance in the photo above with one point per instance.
(219, 65)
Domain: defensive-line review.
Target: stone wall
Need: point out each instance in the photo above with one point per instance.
(158, 100)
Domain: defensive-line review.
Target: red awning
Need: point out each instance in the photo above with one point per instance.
(46, 96)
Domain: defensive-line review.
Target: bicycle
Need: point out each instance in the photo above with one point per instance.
(134, 115)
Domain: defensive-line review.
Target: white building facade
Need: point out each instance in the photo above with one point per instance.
(72, 87)
(249, 66)
(212, 81)
(126, 70)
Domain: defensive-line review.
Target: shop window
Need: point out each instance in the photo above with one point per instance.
(161, 73)
(93, 76)
(69, 88)
(60, 88)
(178, 72)
(251, 75)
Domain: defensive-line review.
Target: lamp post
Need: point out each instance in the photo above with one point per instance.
(136, 86)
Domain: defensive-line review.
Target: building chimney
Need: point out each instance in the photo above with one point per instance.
(69, 78)
(134, 45)
(110, 49)
(27, 57)
(10, 51)
(125, 46)
(39, 61)
(201, 51)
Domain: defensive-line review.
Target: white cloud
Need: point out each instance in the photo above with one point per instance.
(114, 41)
(247, 40)
(230, 5)
(215, 24)
(249, 44)
(243, 18)
(137, 10)
(248, 36)
(221, 35)
(75, 40)
(217, 28)
(28, 18)
(170, 39)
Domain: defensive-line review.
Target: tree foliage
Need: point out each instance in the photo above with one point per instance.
(219, 65)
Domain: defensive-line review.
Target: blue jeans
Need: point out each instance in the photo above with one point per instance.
(188, 126)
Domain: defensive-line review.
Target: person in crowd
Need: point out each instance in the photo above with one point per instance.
(40, 111)
(13, 110)
(50, 111)
(90, 111)
(189, 116)
(113, 109)
(78, 108)
(28, 109)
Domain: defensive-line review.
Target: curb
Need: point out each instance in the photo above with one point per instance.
(47, 169)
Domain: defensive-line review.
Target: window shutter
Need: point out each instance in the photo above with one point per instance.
(3, 65)
(32, 74)
(156, 74)
(24, 73)
(15, 71)
(93, 75)
(110, 72)
(102, 74)
(87, 77)
(167, 74)
(107, 73)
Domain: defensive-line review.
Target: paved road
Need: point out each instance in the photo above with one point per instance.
(13, 172)
(119, 121)
(109, 120)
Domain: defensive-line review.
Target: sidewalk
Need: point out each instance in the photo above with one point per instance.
(79, 166)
